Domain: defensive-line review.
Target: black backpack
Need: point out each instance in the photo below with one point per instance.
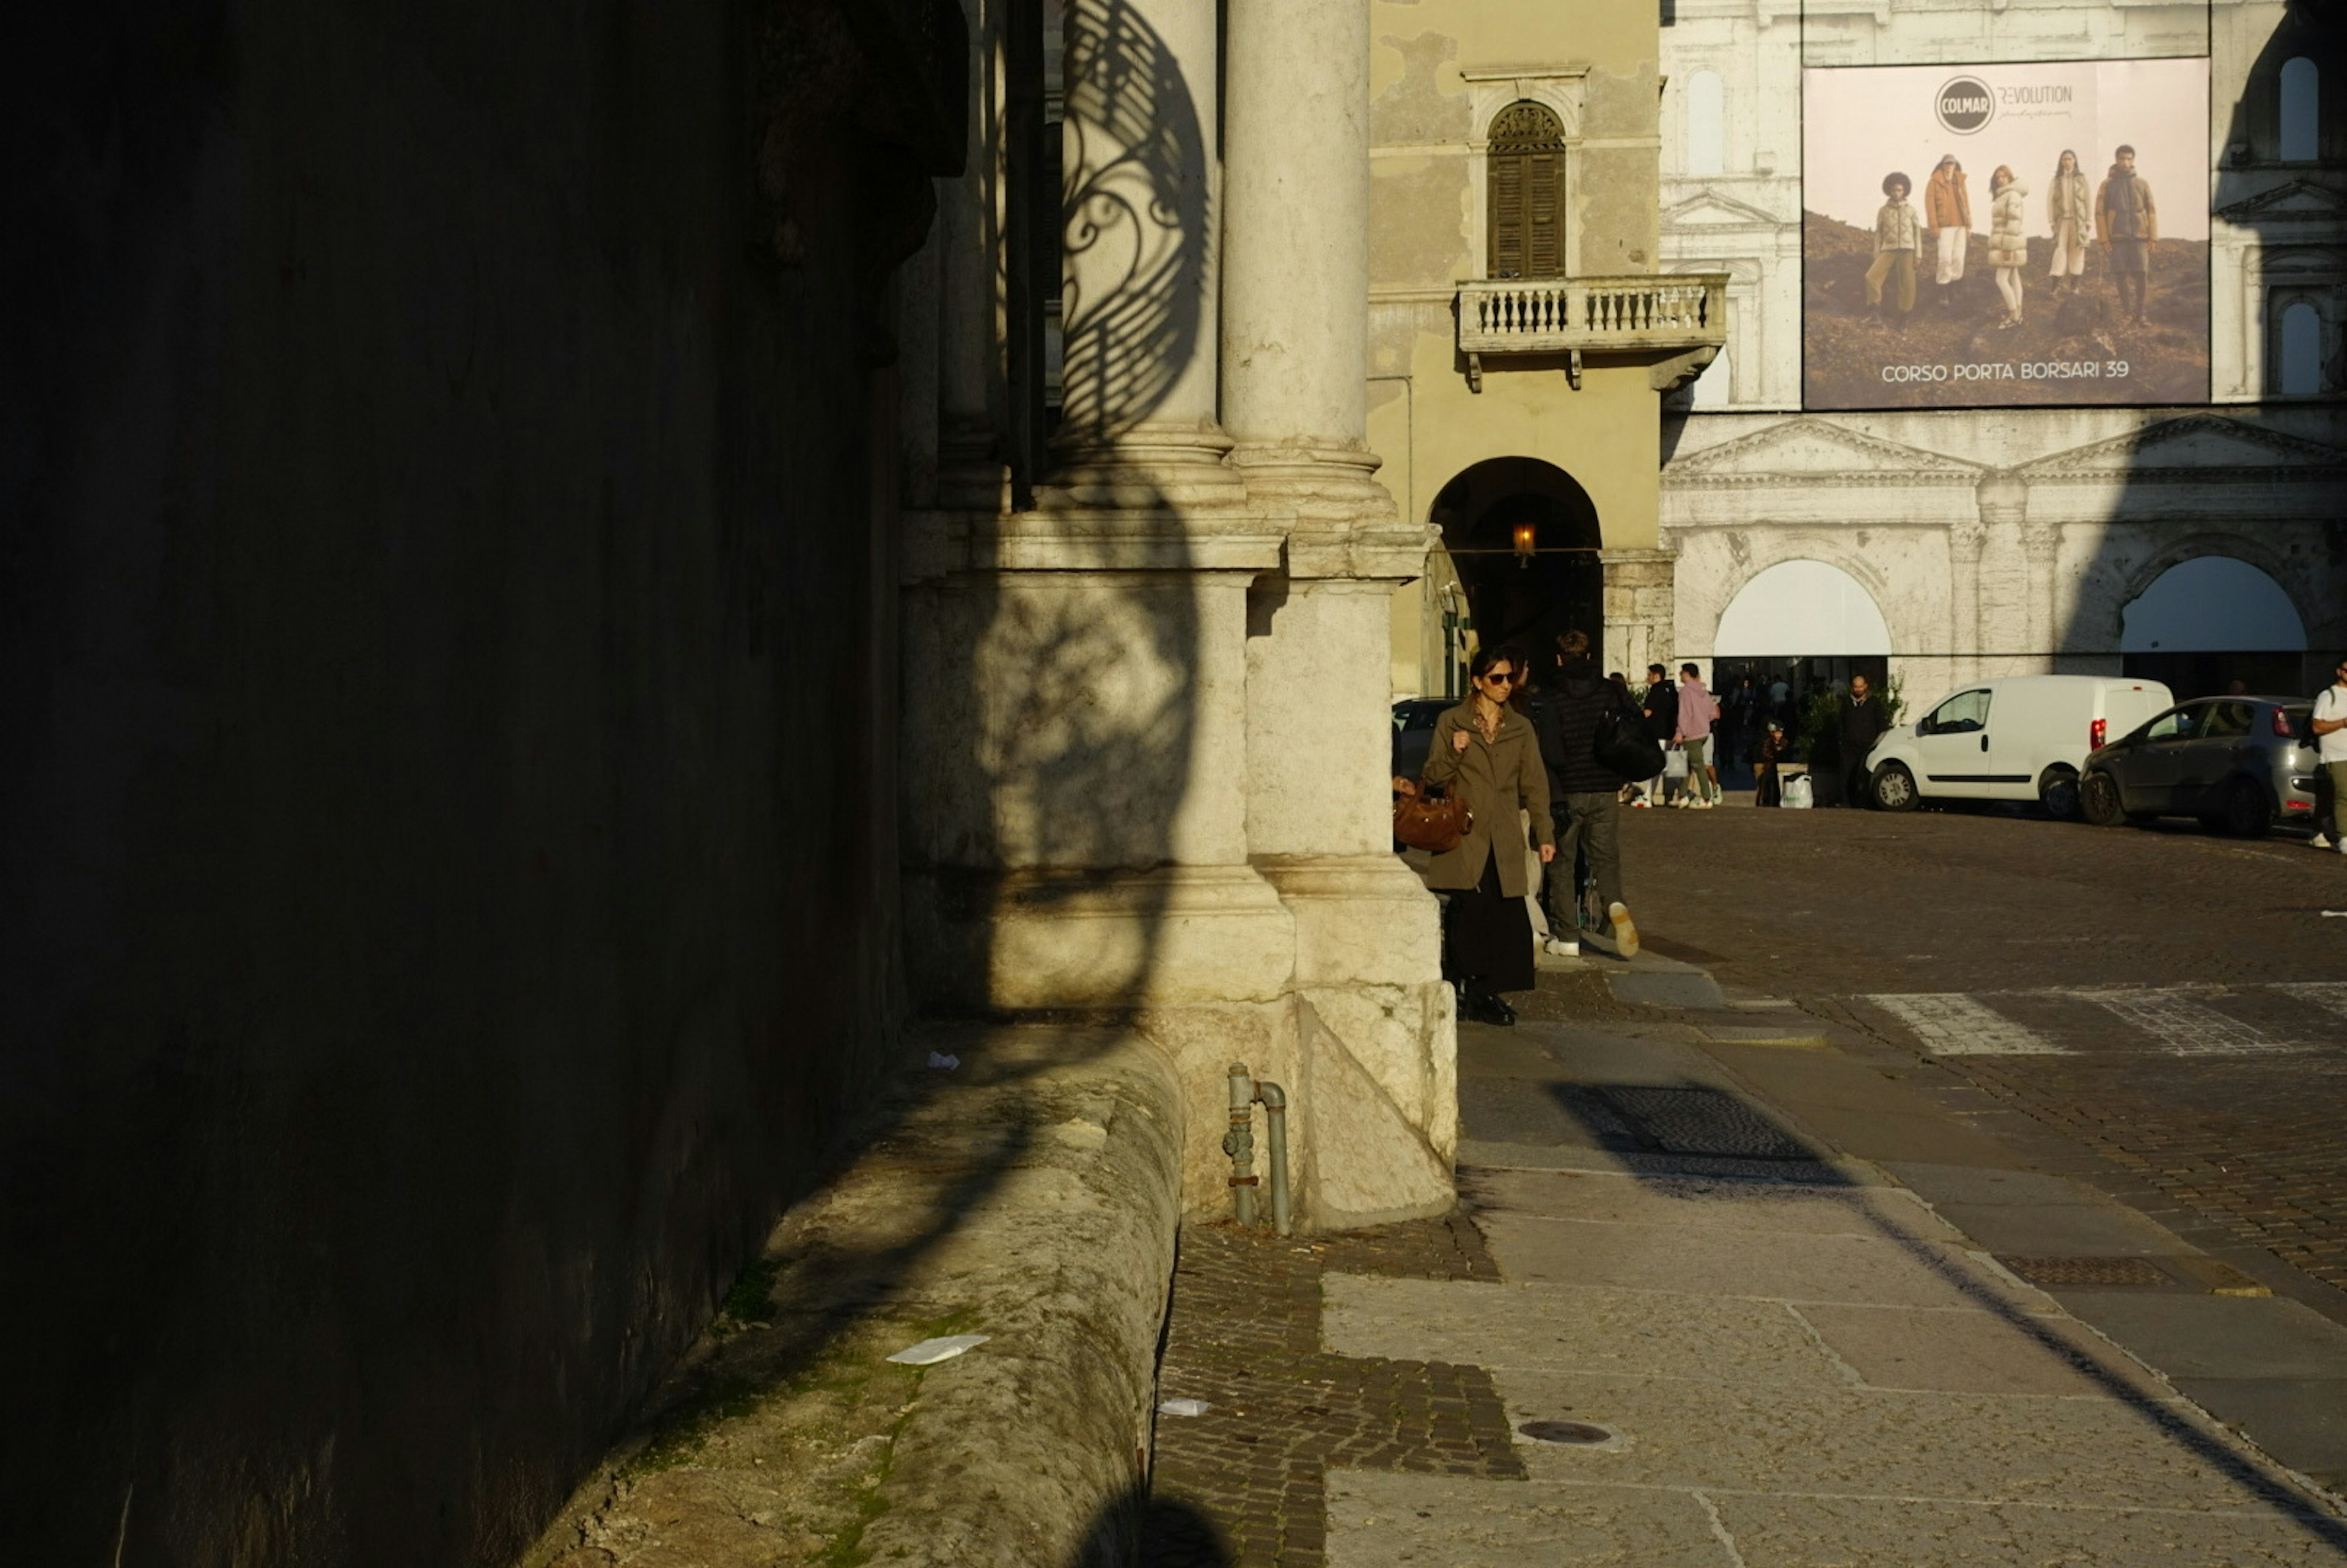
(1620, 744)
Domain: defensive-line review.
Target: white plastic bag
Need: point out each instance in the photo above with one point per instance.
(1797, 792)
(1674, 763)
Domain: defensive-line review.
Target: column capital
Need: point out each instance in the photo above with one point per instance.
(2002, 498)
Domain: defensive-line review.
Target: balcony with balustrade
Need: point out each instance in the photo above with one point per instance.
(1675, 315)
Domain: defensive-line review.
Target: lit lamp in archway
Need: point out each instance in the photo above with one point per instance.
(1523, 545)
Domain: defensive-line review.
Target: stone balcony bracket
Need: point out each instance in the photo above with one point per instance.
(1676, 315)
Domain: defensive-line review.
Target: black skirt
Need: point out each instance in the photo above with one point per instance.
(1487, 936)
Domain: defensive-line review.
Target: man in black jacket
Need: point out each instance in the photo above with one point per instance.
(1662, 710)
(1584, 795)
(1862, 721)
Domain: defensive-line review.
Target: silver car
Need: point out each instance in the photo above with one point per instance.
(2237, 763)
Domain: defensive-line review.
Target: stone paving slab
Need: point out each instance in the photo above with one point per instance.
(1685, 988)
(2216, 1336)
(2080, 1230)
(2301, 1422)
(1892, 1347)
(1421, 1522)
(1983, 1448)
(1513, 1327)
(1938, 1183)
(1725, 1261)
(1817, 1532)
(1747, 1204)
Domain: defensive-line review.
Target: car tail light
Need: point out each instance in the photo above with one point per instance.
(2281, 725)
(2096, 734)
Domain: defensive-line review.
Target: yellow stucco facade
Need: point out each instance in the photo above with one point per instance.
(1570, 370)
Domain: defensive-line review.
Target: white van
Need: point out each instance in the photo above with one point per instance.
(2023, 738)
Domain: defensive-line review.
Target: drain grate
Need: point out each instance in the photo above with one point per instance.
(1706, 1121)
(2086, 1270)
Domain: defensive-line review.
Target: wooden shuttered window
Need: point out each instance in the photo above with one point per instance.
(1525, 200)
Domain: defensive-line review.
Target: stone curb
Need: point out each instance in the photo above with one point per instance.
(1031, 1194)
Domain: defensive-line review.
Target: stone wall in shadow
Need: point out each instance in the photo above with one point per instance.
(448, 845)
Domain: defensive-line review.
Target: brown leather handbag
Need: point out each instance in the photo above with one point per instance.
(1431, 820)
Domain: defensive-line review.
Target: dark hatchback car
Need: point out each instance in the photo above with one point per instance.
(1413, 732)
(2237, 763)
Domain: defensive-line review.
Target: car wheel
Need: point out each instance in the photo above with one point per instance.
(1894, 787)
(2057, 791)
(2246, 813)
(2098, 800)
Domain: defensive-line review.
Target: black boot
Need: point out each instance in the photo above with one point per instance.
(1485, 1006)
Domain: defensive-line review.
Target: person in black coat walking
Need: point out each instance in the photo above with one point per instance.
(1584, 795)
(1661, 708)
(1860, 722)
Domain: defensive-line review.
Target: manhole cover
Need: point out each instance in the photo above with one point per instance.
(1565, 1432)
(1706, 1121)
(2086, 1270)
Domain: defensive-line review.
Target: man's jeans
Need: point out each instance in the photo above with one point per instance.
(2335, 772)
(1592, 823)
(1698, 752)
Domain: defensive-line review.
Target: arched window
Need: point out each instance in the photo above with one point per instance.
(2301, 351)
(1706, 124)
(2302, 110)
(1525, 194)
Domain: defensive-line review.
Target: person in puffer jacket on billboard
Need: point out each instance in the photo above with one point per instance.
(2008, 247)
(1948, 214)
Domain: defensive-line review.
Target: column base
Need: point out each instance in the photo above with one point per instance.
(1360, 919)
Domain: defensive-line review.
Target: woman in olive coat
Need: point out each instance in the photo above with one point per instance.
(1485, 753)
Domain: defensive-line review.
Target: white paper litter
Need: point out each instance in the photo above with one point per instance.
(1184, 1408)
(929, 1352)
(940, 1059)
(2337, 914)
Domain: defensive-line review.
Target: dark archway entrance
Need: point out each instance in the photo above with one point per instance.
(1526, 599)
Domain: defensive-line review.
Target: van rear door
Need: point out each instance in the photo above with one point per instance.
(2126, 703)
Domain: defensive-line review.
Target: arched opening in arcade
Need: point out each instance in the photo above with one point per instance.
(2215, 624)
(1523, 537)
(1797, 630)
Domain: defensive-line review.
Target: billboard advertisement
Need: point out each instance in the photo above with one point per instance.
(2009, 235)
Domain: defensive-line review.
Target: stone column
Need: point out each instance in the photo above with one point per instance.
(1641, 610)
(2004, 503)
(1966, 536)
(1294, 352)
(2041, 550)
(1376, 1046)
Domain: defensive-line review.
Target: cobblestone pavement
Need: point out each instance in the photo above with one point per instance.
(1242, 1485)
(2176, 1001)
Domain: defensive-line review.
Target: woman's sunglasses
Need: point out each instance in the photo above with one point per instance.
(1507, 680)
